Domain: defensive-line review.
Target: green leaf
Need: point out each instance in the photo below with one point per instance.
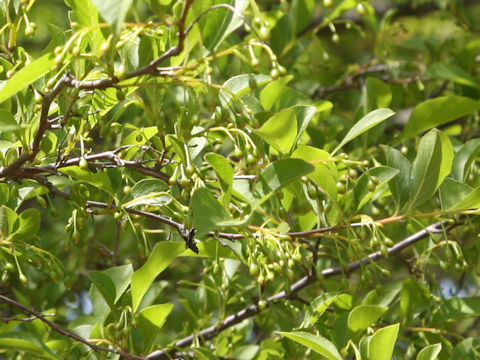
(382, 343)
(161, 256)
(430, 352)
(438, 111)
(317, 307)
(362, 193)
(471, 201)
(325, 174)
(148, 192)
(27, 76)
(425, 173)
(237, 86)
(120, 276)
(86, 15)
(156, 314)
(269, 94)
(220, 22)
(318, 344)
(208, 214)
(367, 122)
(453, 192)
(224, 173)
(464, 159)
(113, 11)
(29, 224)
(459, 308)
(453, 73)
(379, 94)
(279, 174)
(363, 316)
(7, 122)
(280, 131)
(447, 158)
(8, 221)
(25, 342)
(399, 185)
(99, 179)
(105, 285)
(304, 115)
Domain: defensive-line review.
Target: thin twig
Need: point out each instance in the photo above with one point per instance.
(66, 332)
(253, 309)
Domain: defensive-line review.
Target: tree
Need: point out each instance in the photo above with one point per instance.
(239, 179)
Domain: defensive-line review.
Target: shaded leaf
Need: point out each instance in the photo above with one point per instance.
(224, 173)
(382, 343)
(156, 314)
(279, 174)
(399, 185)
(438, 111)
(269, 94)
(425, 172)
(367, 122)
(280, 131)
(363, 316)
(161, 256)
(26, 76)
(453, 73)
(325, 174)
(430, 352)
(208, 214)
(318, 344)
(113, 11)
(464, 158)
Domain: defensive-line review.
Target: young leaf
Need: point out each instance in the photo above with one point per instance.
(161, 256)
(453, 73)
(224, 173)
(27, 76)
(464, 158)
(86, 15)
(269, 94)
(99, 179)
(382, 343)
(459, 308)
(363, 316)
(325, 174)
(280, 130)
(453, 192)
(113, 11)
(318, 344)
(105, 285)
(208, 214)
(237, 86)
(279, 174)
(471, 201)
(26, 341)
(156, 314)
(438, 111)
(362, 194)
(367, 122)
(430, 352)
(399, 184)
(120, 276)
(425, 173)
(378, 94)
(447, 158)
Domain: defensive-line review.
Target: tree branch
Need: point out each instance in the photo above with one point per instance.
(253, 310)
(65, 332)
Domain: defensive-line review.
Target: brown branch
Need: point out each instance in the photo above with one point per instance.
(66, 332)
(28, 319)
(187, 234)
(253, 310)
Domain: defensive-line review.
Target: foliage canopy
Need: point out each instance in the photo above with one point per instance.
(261, 180)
